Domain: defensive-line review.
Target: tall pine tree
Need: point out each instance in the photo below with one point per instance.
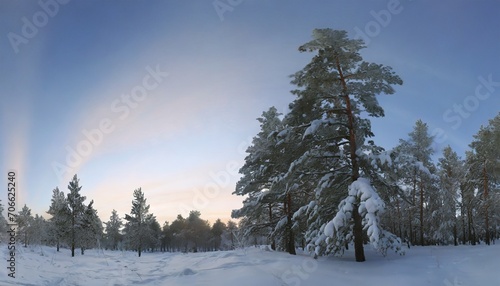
(421, 178)
(76, 208)
(59, 222)
(485, 158)
(24, 221)
(340, 87)
(113, 230)
(264, 163)
(137, 222)
(90, 230)
(451, 174)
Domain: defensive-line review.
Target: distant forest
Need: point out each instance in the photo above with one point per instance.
(76, 226)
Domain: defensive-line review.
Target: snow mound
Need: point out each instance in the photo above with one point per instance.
(265, 248)
(187, 271)
(227, 254)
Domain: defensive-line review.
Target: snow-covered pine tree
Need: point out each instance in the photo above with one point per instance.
(293, 184)
(262, 166)
(338, 86)
(166, 237)
(39, 230)
(197, 231)
(137, 222)
(230, 236)
(24, 221)
(217, 230)
(471, 196)
(76, 209)
(90, 231)
(399, 171)
(382, 168)
(451, 174)
(153, 239)
(59, 222)
(311, 160)
(485, 164)
(113, 231)
(275, 188)
(178, 232)
(307, 142)
(463, 204)
(420, 180)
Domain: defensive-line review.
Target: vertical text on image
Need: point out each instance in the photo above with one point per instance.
(12, 188)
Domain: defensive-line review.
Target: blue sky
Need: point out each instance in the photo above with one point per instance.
(201, 77)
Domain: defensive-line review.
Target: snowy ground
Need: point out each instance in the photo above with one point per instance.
(446, 266)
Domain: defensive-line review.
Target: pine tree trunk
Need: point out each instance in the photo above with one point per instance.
(358, 230)
(73, 243)
(469, 223)
(139, 233)
(462, 213)
(463, 230)
(410, 226)
(413, 233)
(472, 230)
(486, 221)
(421, 213)
(291, 237)
(291, 242)
(273, 243)
(73, 233)
(400, 232)
(358, 236)
(455, 238)
(139, 249)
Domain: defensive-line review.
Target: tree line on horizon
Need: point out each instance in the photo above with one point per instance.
(314, 177)
(74, 224)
